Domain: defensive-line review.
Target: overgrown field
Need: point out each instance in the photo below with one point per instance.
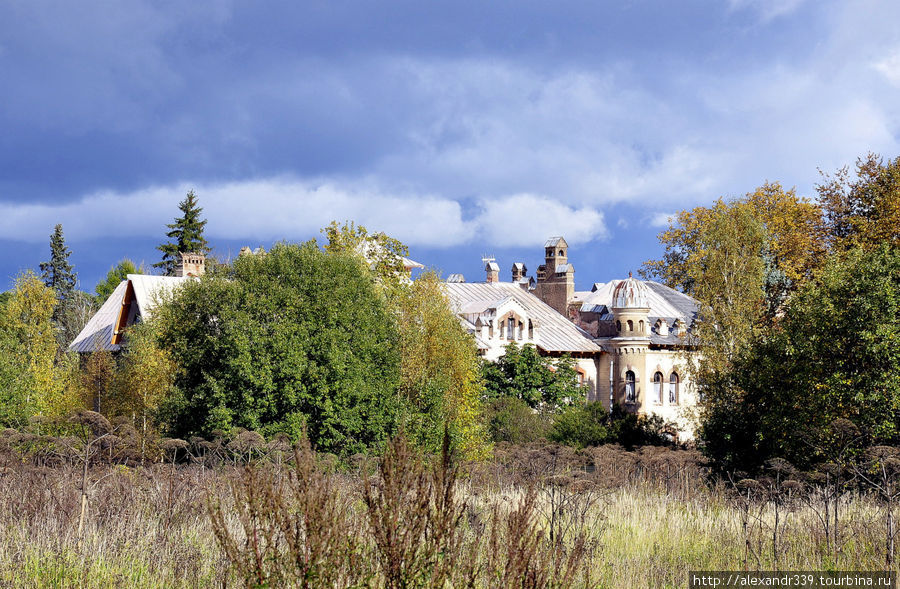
(534, 516)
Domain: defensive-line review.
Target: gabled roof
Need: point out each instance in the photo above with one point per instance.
(554, 241)
(98, 334)
(555, 333)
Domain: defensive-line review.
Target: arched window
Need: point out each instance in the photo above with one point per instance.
(641, 325)
(630, 325)
(673, 389)
(619, 326)
(511, 329)
(630, 395)
(530, 329)
(658, 388)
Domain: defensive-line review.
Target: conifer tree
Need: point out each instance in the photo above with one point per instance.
(186, 235)
(57, 273)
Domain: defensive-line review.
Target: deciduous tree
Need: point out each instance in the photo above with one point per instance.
(116, 275)
(439, 367)
(289, 339)
(863, 211)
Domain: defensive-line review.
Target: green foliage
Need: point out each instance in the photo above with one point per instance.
(57, 273)
(835, 354)
(383, 255)
(290, 339)
(185, 235)
(114, 277)
(509, 419)
(542, 383)
(590, 424)
(71, 308)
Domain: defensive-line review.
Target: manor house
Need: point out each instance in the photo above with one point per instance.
(630, 338)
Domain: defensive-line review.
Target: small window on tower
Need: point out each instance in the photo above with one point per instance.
(630, 395)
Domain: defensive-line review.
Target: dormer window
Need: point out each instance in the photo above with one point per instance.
(662, 328)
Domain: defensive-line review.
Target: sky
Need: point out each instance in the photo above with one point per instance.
(463, 128)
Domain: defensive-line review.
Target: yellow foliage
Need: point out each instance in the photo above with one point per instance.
(31, 349)
(437, 353)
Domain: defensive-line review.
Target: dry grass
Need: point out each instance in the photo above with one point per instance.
(535, 516)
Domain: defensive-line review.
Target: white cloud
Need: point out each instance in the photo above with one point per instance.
(527, 220)
(889, 67)
(292, 209)
(767, 9)
(660, 219)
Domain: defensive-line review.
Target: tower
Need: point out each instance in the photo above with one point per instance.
(556, 277)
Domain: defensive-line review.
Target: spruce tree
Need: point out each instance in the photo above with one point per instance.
(58, 273)
(70, 309)
(186, 235)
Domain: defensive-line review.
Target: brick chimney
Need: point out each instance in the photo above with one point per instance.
(518, 271)
(493, 271)
(191, 264)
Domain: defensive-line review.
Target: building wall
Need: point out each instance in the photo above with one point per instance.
(644, 363)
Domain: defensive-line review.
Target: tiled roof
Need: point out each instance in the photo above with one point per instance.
(554, 332)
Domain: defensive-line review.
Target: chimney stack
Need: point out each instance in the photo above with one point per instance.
(191, 264)
(518, 271)
(493, 271)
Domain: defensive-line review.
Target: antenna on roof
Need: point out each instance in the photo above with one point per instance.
(486, 258)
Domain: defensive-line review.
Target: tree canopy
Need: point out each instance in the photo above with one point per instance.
(522, 373)
(291, 339)
(835, 355)
(116, 275)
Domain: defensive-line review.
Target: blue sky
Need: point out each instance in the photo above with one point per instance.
(461, 128)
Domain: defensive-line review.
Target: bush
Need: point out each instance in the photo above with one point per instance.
(591, 424)
(509, 419)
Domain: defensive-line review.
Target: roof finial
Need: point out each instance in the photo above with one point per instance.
(629, 274)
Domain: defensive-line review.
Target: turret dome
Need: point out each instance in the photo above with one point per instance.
(630, 294)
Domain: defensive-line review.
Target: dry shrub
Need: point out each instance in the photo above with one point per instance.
(295, 527)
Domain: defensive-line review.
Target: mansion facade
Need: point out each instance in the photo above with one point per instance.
(630, 338)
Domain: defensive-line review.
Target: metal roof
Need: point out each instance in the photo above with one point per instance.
(554, 333)
(664, 303)
(553, 241)
(97, 335)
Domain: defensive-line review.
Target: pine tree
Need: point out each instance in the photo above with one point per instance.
(186, 235)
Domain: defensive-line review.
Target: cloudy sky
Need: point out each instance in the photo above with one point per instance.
(462, 128)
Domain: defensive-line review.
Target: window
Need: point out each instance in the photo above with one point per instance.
(641, 327)
(619, 326)
(673, 389)
(511, 328)
(629, 387)
(630, 325)
(658, 388)
(530, 329)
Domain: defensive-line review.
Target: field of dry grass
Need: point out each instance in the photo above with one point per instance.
(534, 516)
